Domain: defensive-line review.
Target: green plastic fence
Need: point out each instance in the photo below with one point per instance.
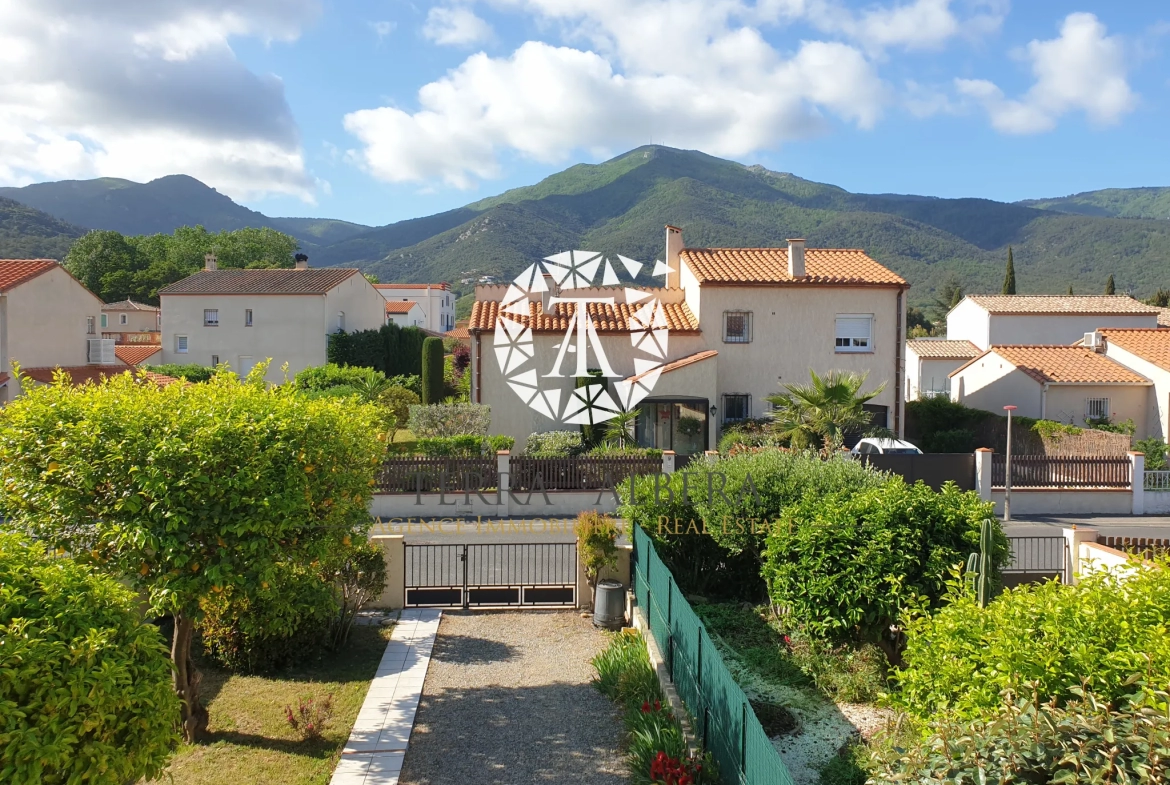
(722, 716)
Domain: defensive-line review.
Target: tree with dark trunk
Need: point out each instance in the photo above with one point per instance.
(1009, 276)
(189, 491)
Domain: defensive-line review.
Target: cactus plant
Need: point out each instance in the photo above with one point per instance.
(979, 566)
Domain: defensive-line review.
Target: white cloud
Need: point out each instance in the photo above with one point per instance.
(382, 29)
(458, 26)
(136, 90)
(1084, 69)
(698, 79)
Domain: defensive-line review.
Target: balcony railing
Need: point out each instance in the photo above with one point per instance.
(142, 336)
(1062, 471)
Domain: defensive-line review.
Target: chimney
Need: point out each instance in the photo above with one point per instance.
(209, 263)
(796, 258)
(302, 261)
(674, 246)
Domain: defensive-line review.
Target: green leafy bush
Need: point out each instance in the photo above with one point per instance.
(433, 382)
(391, 349)
(954, 440)
(1027, 739)
(1155, 452)
(85, 685)
(450, 419)
(1099, 631)
(624, 672)
(613, 451)
(189, 371)
(845, 566)
(396, 402)
(465, 446)
(554, 444)
(340, 391)
(287, 622)
(359, 576)
(324, 377)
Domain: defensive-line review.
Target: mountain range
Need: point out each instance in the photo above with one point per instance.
(621, 205)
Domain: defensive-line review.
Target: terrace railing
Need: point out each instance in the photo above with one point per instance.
(1057, 471)
(1157, 481)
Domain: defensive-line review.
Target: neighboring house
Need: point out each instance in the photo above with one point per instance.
(242, 317)
(92, 373)
(460, 333)
(1042, 319)
(742, 323)
(1146, 352)
(47, 319)
(1068, 384)
(1164, 317)
(130, 322)
(135, 354)
(435, 299)
(929, 362)
(405, 313)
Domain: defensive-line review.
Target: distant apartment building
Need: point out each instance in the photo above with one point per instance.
(48, 320)
(435, 300)
(988, 320)
(242, 317)
(405, 313)
(125, 319)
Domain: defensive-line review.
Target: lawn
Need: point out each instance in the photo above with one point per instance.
(249, 740)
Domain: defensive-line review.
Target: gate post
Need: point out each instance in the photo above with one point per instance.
(463, 558)
(983, 472)
(504, 484)
(394, 555)
(1072, 551)
(1137, 482)
(668, 461)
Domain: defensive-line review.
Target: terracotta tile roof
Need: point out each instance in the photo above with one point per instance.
(459, 333)
(1164, 317)
(444, 286)
(825, 267)
(400, 306)
(1152, 344)
(281, 281)
(1061, 303)
(136, 353)
(129, 305)
(941, 349)
(674, 365)
(607, 318)
(83, 374)
(14, 272)
(1063, 365)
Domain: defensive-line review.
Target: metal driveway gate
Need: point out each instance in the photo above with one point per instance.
(530, 574)
(1037, 559)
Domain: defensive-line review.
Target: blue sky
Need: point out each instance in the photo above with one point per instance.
(379, 110)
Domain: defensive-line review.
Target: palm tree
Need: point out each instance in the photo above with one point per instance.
(619, 429)
(823, 410)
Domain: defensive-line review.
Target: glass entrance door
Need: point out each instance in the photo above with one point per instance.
(673, 425)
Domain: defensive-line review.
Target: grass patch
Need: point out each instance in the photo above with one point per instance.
(250, 742)
(846, 768)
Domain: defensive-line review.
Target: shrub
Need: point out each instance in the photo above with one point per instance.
(1100, 630)
(1026, 739)
(432, 371)
(955, 440)
(613, 451)
(463, 446)
(597, 545)
(340, 391)
(324, 377)
(359, 575)
(391, 349)
(846, 565)
(1155, 452)
(554, 444)
(626, 654)
(412, 382)
(85, 686)
(396, 402)
(287, 622)
(310, 717)
(461, 356)
(450, 419)
(190, 371)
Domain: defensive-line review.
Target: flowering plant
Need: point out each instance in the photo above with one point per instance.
(309, 717)
(665, 770)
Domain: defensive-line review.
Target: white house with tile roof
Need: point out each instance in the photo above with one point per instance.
(128, 316)
(929, 363)
(1068, 384)
(1146, 352)
(1042, 319)
(242, 317)
(742, 322)
(405, 313)
(436, 302)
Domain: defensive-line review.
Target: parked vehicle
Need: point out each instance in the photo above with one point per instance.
(871, 446)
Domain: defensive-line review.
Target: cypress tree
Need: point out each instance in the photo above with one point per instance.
(1070, 291)
(1009, 277)
(1109, 287)
(432, 370)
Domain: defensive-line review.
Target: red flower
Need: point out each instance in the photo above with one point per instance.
(657, 706)
(646, 707)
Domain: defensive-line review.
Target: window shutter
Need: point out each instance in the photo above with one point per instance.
(853, 327)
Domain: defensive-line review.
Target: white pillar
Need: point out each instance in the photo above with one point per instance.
(983, 472)
(1137, 481)
(504, 470)
(668, 461)
(1073, 538)
(710, 456)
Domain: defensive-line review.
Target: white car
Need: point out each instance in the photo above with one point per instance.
(884, 447)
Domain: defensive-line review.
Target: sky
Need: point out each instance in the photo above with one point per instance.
(374, 111)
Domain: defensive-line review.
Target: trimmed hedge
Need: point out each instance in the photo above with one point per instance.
(433, 381)
(391, 349)
(466, 446)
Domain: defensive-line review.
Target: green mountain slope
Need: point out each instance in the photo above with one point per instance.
(1111, 202)
(26, 233)
(321, 231)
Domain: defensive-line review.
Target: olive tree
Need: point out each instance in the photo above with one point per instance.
(189, 491)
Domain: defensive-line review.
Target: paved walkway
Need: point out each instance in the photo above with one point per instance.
(377, 745)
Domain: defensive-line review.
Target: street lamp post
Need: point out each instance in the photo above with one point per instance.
(1007, 483)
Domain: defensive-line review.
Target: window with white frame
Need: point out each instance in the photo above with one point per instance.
(89, 329)
(736, 407)
(1096, 408)
(737, 326)
(122, 318)
(211, 317)
(854, 332)
(247, 317)
(180, 344)
(105, 321)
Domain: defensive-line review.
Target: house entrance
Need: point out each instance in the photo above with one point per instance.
(531, 574)
(675, 424)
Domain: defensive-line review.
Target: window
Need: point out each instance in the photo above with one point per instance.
(180, 344)
(211, 317)
(105, 321)
(737, 326)
(89, 322)
(1096, 408)
(855, 332)
(122, 318)
(736, 407)
(214, 360)
(247, 317)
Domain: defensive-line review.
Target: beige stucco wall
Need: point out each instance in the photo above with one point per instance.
(286, 328)
(991, 382)
(1030, 501)
(1059, 329)
(968, 322)
(136, 321)
(43, 323)
(413, 318)
(1066, 403)
(1158, 397)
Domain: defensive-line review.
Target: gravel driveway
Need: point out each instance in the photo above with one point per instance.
(507, 701)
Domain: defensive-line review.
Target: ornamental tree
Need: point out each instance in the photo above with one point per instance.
(189, 491)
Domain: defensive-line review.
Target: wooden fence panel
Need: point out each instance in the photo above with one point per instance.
(1051, 471)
